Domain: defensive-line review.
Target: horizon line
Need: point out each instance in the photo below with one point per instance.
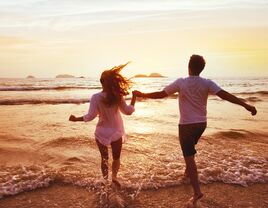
(85, 77)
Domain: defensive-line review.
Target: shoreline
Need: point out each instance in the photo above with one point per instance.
(218, 195)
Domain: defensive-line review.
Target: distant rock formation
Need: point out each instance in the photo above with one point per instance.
(30, 77)
(140, 75)
(155, 75)
(152, 75)
(65, 76)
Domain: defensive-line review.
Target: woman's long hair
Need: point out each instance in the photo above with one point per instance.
(115, 85)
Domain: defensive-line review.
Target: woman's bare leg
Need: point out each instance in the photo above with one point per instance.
(115, 168)
(116, 150)
(104, 159)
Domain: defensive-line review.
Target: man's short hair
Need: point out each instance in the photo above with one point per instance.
(196, 64)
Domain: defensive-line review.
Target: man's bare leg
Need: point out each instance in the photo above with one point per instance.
(191, 169)
(186, 174)
(185, 177)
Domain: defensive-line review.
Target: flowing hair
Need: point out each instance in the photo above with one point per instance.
(115, 85)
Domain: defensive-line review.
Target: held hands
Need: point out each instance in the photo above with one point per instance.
(137, 93)
(134, 94)
(72, 118)
(252, 109)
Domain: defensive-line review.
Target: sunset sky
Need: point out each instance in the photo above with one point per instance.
(83, 37)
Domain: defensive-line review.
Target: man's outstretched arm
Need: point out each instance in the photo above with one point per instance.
(233, 99)
(153, 95)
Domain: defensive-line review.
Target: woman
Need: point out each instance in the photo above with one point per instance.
(107, 104)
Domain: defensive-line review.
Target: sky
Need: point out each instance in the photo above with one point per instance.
(44, 38)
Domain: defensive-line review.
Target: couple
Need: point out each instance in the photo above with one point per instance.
(193, 94)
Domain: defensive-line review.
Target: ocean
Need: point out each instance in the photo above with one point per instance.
(40, 147)
(78, 90)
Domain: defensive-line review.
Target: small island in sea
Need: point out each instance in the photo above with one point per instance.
(152, 75)
(140, 75)
(30, 77)
(65, 76)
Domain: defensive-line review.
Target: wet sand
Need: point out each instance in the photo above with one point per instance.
(217, 195)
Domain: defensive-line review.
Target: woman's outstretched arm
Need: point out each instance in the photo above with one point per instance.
(92, 112)
(74, 118)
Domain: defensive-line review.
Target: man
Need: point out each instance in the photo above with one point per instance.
(193, 94)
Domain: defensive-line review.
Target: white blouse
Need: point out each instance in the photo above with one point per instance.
(110, 126)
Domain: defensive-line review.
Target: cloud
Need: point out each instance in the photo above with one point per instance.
(60, 15)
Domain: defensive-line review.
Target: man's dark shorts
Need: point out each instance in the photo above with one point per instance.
(189, 135)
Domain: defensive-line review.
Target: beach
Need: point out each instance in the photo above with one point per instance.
(47, 161)
(217, 195)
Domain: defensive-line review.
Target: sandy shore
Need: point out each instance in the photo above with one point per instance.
(218, 195)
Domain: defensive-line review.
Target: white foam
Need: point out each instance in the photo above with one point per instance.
(243, 170)
(24, 179)
(241, 167)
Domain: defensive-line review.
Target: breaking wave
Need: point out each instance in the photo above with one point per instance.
(42, 101)
(39, 88)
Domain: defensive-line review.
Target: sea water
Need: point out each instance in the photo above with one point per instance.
(39, 146)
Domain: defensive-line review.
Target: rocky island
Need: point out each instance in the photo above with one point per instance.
(30, 77)
(152, 75)
(140, 75)
(65, 76)
(157, 75)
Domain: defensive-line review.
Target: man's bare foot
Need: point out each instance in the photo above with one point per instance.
(195, 198)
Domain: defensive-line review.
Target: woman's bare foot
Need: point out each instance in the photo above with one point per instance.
(195, 198)
(116, 182)
(102, 182)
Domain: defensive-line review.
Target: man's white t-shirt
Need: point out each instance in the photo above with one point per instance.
(193, 94)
